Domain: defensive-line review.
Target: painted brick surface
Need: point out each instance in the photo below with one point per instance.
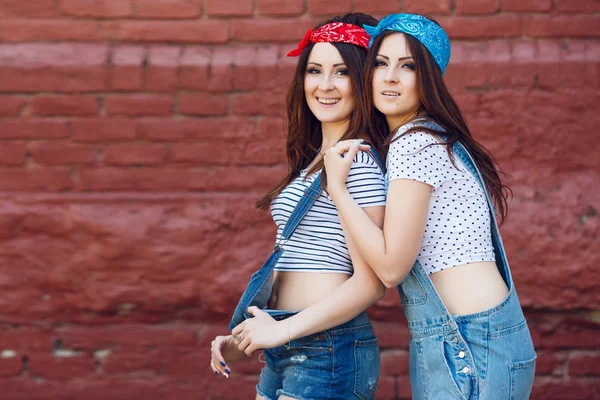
(136, 135)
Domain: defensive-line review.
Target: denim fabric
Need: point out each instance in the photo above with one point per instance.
(483, 356)
(340, 363)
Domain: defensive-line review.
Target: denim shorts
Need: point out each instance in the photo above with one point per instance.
(339, 363)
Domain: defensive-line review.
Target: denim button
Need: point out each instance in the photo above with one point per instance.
(461, 354)
(465, 370)
(455, 340)
(276, 248)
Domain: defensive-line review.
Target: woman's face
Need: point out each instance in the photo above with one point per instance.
(395, 81)
(327, 85)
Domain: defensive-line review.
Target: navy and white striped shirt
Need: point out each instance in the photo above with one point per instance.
(318, 244)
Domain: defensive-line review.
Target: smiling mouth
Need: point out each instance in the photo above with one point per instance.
(391, 94)
(328, 101)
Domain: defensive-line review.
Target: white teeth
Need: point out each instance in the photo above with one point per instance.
(327, 101)
(391, 94)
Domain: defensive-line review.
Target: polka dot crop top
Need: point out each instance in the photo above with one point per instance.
(458, 228)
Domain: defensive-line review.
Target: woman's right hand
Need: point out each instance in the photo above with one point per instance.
(223, 347)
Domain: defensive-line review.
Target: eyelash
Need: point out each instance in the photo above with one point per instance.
(380, 63)
(313, 71)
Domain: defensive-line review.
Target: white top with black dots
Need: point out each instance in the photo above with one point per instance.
(458, 222)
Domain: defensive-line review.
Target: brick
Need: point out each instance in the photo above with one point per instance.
(62, 154)
(102, 129)
(126, 72)
(328, 8)
(547, 363)
(577, 6)
(530, 5)
(162, 69)
(585, 365)
(428, 6)
(565, 390)
(204, 154)
(35, 55)
(279, 8)
(132, 154)
(152, 361)
(561, 26)
(200, 31)
(138, 105)
(12, 153)
(258, 103)
(269, 30)
(26, 340)
(11, 366)
(60, 368)
(194, 129)
(218, 8)
(394, 362)
(20, 128)
(97, 8)
(37, 8)
(381, 7)
(34, 180)
(64, 105)
(481, 28)
(193, 70)
(53, 79)
(11, 106)
(204, 104)
(31, 30)
(477, 7)
(167, 9)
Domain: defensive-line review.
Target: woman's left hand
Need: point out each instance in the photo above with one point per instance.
(338, 161)
(260, 332)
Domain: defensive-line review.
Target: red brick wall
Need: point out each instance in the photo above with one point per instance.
(135, 136)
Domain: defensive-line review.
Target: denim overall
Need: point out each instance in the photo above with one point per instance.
(338, 363)
(488, 355)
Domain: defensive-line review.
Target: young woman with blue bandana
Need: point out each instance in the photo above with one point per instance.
(440, 243)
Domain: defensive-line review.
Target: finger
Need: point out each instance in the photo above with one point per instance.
(217, 359)
(254, 311)
(217, 356)
(244, 344)
(251, 349)
(238, 329)
(352, 153)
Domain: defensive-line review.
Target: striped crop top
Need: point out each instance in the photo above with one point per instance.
(318, 244)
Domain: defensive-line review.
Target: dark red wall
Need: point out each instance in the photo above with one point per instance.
(135, 136)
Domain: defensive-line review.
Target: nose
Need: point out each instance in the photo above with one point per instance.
(391, 76)
(325, 83)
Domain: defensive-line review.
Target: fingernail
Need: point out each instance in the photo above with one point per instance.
(228, 371)
(216, 372)
(357, 143)
(222, 363)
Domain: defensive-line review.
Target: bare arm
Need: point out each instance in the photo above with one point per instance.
(390, 251)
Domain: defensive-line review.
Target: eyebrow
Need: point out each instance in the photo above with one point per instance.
(319, 65)
(400, 59)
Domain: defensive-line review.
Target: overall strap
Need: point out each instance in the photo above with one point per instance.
(311, 194)
(375, 156)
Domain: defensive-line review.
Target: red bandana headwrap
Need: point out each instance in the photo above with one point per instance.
(336, 32)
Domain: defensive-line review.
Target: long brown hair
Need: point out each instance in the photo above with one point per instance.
(438, 106)
(304, 135)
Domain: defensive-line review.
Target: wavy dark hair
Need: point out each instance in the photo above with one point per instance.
(304, 135)
(437, 105)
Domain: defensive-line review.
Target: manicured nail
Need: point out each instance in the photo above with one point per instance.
(357, 143)
(216, 372)
(227, 370)
(222, 363)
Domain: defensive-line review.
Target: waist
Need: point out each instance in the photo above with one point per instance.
(295, 291)
(470, 288)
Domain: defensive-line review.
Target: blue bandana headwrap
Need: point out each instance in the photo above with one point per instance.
(426, 31)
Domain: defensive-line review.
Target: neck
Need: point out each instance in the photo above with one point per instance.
(394, 122)
(332, 133)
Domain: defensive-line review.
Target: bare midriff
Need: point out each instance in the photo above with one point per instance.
(295, 291)
(470, 288)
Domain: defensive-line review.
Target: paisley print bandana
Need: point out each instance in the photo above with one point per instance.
(424, 30)
(334, 32)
